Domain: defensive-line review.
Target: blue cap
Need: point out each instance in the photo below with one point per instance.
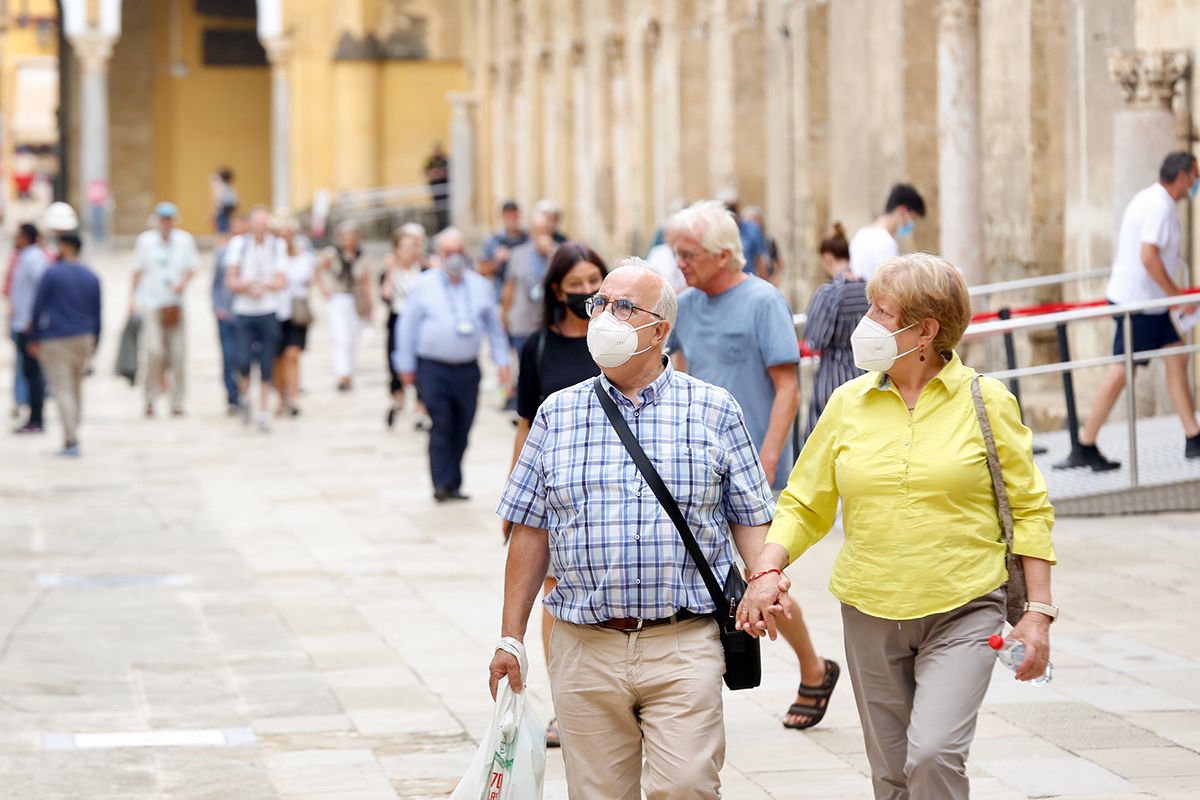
(166, 210)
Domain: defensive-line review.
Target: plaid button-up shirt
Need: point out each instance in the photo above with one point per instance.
(613, 548)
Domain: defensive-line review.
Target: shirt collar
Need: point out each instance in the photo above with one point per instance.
(951, 376)
(651, 394)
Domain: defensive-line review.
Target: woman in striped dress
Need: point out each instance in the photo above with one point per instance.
(833, 314)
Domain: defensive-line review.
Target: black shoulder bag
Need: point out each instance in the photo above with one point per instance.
(743, 662)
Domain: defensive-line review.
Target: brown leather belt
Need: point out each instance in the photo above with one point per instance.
(631, 624)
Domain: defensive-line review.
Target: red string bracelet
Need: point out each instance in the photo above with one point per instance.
(758, 575)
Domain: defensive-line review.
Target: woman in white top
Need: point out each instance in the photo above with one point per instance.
(295, 315)
(401, 268)
(348, 268)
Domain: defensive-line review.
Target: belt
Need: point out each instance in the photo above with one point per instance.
(631, 624)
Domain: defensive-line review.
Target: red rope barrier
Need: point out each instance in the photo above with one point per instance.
(1051, 308)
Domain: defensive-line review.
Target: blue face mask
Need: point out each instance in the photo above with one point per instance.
(1194, 189)
(906, 229)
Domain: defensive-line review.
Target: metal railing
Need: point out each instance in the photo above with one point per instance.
(1059, 321)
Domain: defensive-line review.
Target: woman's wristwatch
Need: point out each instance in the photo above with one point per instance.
(1042, 608)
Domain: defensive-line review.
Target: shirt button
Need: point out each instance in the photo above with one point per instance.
(906, 444)
(637, 537)
(639, 494)
(635, 413)
(638, 582)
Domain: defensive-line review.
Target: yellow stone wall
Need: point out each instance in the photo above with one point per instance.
(21, 44)
(206, 118)
(414, 114)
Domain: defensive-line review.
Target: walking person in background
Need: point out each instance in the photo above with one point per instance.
(448, 313)
(875, 243)
(553, 215)
(772, 261)
(834, 312)
(1147, 267)
(754, 243)
(66, 328)
(555, 357)
(735, 331)
(348, 269)
(32, 263)
(165, 260)
(437, 174)
(20, 385)
(521, 298)
(921, 572)
(256, 264)
(498, 247)
(224, 202)
(402, 266)
(222, 301)
(294, 314)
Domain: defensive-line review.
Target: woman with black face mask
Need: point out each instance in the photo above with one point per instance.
(555, 357)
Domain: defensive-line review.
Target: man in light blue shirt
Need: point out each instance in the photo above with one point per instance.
(32, 263)
(448, 313)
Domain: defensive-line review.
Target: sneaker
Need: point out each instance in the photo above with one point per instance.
(69, 451)
(29, 427)
(149, 411)
(293, 411)
(391, 417)
(232, 410)
(1191, 448)
(247, 414)
(1088, 455)
(264, 422)
(423, 423)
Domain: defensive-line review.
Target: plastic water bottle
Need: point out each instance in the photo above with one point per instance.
(1011, 653)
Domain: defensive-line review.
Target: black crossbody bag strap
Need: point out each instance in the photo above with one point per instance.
(664, 497)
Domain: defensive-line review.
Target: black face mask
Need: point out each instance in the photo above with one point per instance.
(577, 304)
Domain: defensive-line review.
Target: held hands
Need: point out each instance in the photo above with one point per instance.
(504, 664)
(1033, 630)
(765, 598)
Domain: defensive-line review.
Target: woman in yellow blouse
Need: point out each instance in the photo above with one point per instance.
(922, 569)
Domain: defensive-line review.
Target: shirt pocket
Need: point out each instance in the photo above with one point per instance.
(735, 347)
(693, 475)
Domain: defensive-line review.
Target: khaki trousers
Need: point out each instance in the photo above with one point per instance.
(163, 348)
(64, 362)
(919, 685)
(655, 692)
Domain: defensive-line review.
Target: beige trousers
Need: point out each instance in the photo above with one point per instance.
(654, 693)
(919, 685)
(64, 362)
(163, 348)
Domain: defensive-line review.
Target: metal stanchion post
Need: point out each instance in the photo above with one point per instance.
(1010, 357)
(1130, 400)
(1064, 354)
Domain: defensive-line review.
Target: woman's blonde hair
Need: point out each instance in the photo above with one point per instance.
(925, 286)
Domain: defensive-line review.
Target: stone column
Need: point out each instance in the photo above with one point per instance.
(462, 150)
(562, 120)
(623, 177)
(799, 233)
(1145, 127)
(958, 136)
(598, 224)
(666, 122)
(94, 51)
(279, 53)
(721, 121)
(356, 79)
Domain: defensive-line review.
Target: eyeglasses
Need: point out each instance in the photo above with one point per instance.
(621, 309)
(688, 256)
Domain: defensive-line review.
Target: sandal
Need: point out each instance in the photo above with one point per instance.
(816, 712)
(552, 739)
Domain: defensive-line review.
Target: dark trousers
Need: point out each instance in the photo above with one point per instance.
(227, 332)
(257, 340)
(34, 378)
(396, 384)
(450, 393)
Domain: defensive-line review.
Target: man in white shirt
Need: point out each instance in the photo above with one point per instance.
(1147, 267)
(875, 243)
(255, 274)
(165, 261)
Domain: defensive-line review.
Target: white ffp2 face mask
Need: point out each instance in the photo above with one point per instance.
(613, 342)
(875, 346)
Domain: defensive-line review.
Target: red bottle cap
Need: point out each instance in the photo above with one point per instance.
(996, 641)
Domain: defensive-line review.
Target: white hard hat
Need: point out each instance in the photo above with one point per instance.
(60, 217)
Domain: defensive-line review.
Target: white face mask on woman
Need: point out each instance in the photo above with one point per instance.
(613, 342)
(875, 346)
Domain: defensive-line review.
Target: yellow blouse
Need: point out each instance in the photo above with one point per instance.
(922, 529)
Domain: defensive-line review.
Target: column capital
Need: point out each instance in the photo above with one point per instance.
(1149, 79)
(279, 50)
(462, 101)
(93, 50)
(957, 14)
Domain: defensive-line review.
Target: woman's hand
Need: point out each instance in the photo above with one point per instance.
(1033, 630)
(765, 597)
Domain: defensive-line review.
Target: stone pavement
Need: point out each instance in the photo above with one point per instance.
(198, 610)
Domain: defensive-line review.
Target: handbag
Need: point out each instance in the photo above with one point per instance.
(1014, 588)
(169, 316)
(743, 658)
(302, 315)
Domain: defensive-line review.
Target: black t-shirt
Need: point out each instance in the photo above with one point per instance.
(565, 362)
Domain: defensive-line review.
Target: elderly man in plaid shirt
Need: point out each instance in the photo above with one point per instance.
(635, 660)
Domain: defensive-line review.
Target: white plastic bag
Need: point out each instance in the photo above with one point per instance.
(511, 760)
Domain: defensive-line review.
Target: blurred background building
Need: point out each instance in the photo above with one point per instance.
(1026, 124)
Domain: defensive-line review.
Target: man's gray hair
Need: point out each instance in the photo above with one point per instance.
(713, 226)
(347, 226)
(445, 235)
(667, 305)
